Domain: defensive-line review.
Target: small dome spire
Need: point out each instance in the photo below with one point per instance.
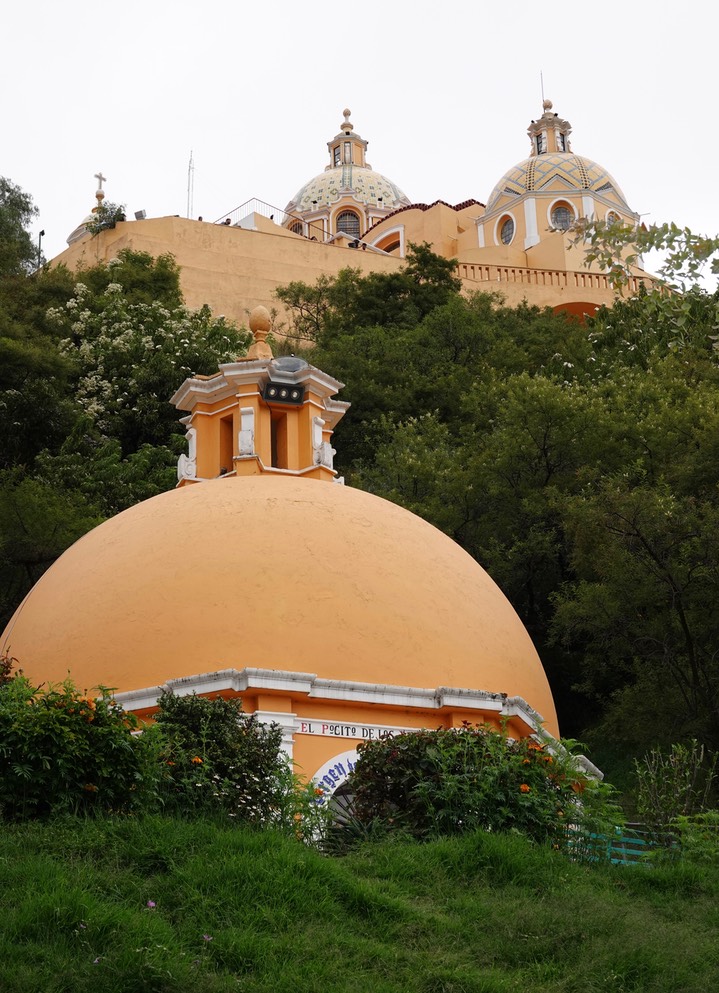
(346, 125)
(81, 230)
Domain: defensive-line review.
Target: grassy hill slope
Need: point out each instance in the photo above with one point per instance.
(162, 905)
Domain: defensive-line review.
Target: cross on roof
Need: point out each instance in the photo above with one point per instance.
(100, 179)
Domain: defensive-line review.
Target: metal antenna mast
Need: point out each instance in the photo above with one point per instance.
(190, 187)
(541, 83)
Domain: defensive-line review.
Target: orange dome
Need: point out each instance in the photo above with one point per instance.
(274, 572)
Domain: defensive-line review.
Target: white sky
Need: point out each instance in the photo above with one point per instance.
(443, 92)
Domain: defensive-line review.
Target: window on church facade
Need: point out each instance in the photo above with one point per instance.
(506, 231)
(562, 216)
(349, 222)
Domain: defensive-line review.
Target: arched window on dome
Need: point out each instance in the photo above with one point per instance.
(506, 230)
(349, 223)
(562, 216)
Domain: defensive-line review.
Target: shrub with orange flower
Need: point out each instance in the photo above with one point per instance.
(455, 780)
(78, 754)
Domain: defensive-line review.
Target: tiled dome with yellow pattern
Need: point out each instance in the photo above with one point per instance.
(537, 172)
(365, 185)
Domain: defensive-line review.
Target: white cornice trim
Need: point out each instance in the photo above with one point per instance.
(224, 384)
(317, 688)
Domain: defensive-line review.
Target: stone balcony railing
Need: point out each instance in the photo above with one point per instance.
(578, 280)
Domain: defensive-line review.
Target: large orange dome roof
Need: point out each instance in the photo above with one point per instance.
(280, 573)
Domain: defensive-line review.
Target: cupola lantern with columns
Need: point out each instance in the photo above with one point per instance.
(259, 414)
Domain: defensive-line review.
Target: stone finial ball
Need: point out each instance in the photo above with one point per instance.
(260, 320)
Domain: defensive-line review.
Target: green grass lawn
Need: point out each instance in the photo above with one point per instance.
(124, 905)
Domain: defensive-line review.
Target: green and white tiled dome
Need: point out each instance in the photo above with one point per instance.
(365, 185)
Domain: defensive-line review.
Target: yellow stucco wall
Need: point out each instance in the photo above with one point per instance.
(231, 269)
(234, 270)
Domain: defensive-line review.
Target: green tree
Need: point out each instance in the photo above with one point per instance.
(105, 216)
(132, 356)
(343, 304)
(18, 254)
(38, 521)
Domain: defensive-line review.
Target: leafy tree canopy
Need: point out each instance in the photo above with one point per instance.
(339, 305)
(18, 254)
(576, 462)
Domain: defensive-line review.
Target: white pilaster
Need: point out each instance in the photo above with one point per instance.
(530, 223)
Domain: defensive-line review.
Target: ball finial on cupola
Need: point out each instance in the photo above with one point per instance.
(260, 324)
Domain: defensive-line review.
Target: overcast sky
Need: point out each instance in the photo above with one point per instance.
(443, 92)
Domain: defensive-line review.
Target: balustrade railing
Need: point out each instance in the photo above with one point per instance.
(546, 277)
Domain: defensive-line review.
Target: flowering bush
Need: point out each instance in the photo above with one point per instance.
(63, 751)
(131, 354)
(214, 757)
(454, 780)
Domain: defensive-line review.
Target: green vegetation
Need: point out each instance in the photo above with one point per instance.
(157, 905)
(675, 788)
(233, 890)
(105, 216)
(431, 784)
(17, 252)
(62, 751)
(575, 462)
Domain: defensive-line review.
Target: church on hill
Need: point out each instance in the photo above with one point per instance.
(519, 242)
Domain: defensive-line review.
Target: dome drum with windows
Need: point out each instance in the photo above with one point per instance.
(348, 197)
(552, 189)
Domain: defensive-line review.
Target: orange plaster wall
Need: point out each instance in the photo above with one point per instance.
(234, 270)
(231, 269)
